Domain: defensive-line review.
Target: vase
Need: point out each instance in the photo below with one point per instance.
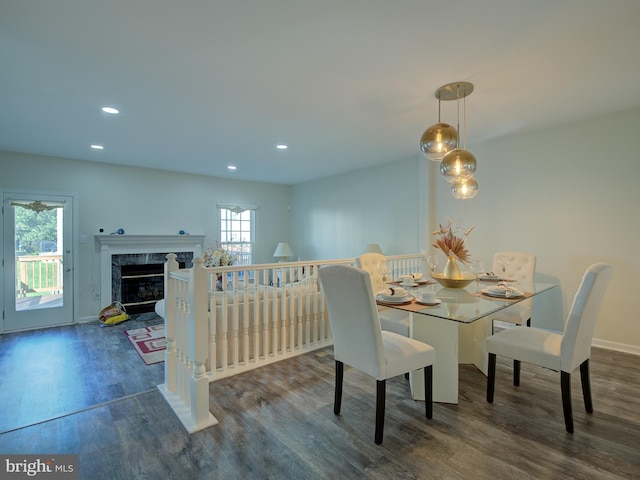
(451, 269)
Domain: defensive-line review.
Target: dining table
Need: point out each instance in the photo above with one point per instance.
(456, 326)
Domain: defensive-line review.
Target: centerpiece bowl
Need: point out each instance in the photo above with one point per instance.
(461, 282)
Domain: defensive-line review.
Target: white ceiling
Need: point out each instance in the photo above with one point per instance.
(345, 83)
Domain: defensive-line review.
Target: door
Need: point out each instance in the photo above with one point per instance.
(37, 260)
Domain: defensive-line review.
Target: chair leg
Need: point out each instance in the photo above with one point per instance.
(380, 402)
(516, 373)
(586, 386)
(565, 385)
(428, 390)
(491, 377)
(337, 399)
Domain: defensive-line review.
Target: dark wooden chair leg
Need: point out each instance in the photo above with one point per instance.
(428, 390)
(516, 373)
(337, 400)
(380, 403)
(586, 386)
(491, 377)
(565, 385)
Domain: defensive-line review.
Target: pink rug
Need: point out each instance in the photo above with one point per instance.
(149, 342)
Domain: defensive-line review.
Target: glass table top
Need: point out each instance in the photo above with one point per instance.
(465, 304)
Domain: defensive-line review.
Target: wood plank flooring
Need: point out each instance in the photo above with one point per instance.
(278, 423)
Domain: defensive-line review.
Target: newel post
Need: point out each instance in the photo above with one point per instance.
(199, 342)
(170, 360)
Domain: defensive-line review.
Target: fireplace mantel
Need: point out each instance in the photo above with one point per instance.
(141, 243)
(131, 244)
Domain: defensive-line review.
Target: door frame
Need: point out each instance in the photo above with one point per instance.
(74, 249)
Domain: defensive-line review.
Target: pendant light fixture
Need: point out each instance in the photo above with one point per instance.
(438, 139)
(464, 189)
(458, 164)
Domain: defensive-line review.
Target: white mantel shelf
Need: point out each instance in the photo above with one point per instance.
(129, 244)
(158, 242)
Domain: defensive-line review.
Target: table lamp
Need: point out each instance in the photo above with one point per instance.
(283, 251)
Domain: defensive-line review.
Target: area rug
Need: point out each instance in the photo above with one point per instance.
(149, 342)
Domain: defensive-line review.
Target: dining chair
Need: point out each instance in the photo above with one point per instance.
(391, 319)
(359, 342)
(521, 268)
(559, 352)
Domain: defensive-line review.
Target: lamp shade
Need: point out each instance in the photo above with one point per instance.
(464, 189)
(373, 248)
(458, 165)
(283, 250)
(438, 140)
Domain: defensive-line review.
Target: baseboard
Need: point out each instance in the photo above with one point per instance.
(93, 318)
(618, 347)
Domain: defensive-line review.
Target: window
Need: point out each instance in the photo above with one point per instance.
(237, 233)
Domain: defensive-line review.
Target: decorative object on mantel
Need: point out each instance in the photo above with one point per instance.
(457, 165)
(453, 246)
(283, 251)
(219, 257)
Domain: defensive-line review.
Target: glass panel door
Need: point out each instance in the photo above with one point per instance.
(37, 274)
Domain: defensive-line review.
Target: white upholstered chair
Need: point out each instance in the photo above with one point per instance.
(560, 352)
(391, 319)
(359, 341)
(521, 268)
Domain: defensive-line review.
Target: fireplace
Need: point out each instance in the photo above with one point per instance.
(137, 280)
(132, 266)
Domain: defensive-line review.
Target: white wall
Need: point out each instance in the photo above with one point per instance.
(145, 202)
(338, 216)
(569, 195)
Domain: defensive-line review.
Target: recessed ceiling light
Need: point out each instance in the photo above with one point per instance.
(231, 167)
(110, 110)
(281, 146)
(97, 147)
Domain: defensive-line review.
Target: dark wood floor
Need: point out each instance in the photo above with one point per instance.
(83, 390)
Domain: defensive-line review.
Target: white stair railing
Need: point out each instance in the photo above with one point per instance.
(227, 320)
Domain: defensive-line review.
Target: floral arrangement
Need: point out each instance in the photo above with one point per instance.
(453, 245)
(218, 257)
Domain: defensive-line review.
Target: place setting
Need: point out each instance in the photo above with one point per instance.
(502, 290)
(412, 280)
(394, 296)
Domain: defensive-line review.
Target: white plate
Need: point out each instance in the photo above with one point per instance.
(489, 277)
(499, 293)
(436, 302)
(393, 299)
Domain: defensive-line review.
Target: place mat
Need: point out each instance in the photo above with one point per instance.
(496, 280)
(521, 297)
(410, 306)
(419, 282)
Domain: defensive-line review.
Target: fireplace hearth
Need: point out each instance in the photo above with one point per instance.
(132, 266)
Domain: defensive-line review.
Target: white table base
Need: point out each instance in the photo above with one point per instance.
(455, 343)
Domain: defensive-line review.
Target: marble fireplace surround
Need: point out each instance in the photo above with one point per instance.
(111, 245)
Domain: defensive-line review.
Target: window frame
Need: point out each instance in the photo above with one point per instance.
(238, 248)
